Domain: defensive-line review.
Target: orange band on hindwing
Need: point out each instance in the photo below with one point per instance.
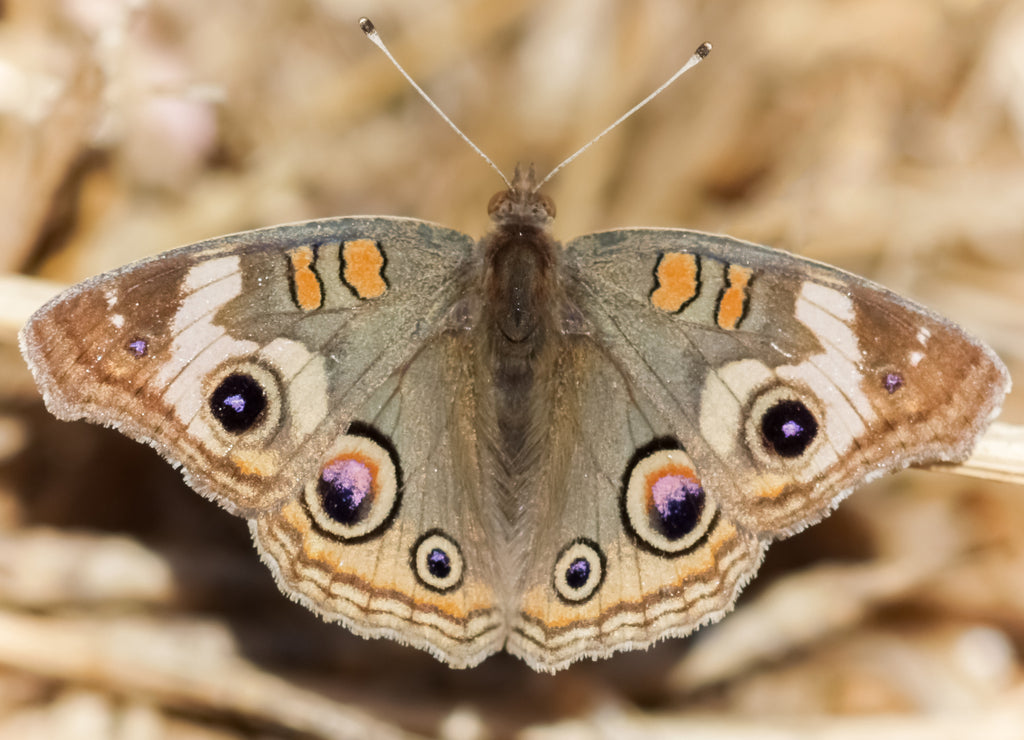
(678, 281)
(307, 290)
(732, 303)
(363, 268)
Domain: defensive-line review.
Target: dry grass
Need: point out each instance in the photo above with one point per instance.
(886, 138)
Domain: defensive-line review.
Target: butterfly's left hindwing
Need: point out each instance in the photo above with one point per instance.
(719, 395)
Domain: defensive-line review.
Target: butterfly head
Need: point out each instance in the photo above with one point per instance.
(521, 203)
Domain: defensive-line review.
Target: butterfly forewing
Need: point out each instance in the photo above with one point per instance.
(242, 358)
(787, 381)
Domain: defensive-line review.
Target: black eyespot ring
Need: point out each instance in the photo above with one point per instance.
(663, 502)
(579, 571)
(788, 428)
(238, 402)
(358, 489)
(783, 426)
(437, 561)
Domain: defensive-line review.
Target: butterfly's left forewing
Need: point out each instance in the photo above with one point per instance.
(789, 382)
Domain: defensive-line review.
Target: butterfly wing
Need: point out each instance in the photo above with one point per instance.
(419, 570)
(288, 372)
(597, 577)
(736, 394)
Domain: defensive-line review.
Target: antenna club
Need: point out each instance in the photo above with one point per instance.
(702, 51)
(366, 26)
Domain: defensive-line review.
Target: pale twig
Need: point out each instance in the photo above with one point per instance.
(999, 455)
(146, 657)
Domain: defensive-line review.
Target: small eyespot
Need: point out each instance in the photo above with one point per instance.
(892, 382)
(238, 402)
(788, 427)
(437, 561)
(358, 489)
(138, 346)
(579, 571)
(664, 504)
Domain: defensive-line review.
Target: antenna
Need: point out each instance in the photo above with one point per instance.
(367, 27)
(371, 33)
(698, 56)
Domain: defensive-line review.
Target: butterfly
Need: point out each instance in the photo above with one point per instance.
(561, 451)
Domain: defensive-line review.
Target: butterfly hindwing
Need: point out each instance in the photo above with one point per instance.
(388, 535)
(603, 574)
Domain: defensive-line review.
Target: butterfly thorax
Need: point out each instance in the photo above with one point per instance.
(519, 275)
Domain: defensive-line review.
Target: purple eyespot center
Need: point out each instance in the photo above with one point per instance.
(788, 428)
(791, 429)
(676, 503)
(438, 563)
(578, 573)
(346, 490)
(138, 347)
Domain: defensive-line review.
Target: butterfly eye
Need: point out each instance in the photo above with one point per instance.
(547, 204)
(496, 201)
(579, 571)
(664, 504)
(437, 561)
(358, 489)
(244, 402)
(783, 426)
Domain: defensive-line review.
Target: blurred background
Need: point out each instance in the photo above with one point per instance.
(885, 138)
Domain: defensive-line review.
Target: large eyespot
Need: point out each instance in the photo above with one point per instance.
(579, 571)
(789, 428)
(358, 489)
(244, 401)
(238, 402)
(783, 425)
(437, 561)
(664, 504)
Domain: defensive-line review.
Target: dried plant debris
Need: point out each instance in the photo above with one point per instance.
(885, 138)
